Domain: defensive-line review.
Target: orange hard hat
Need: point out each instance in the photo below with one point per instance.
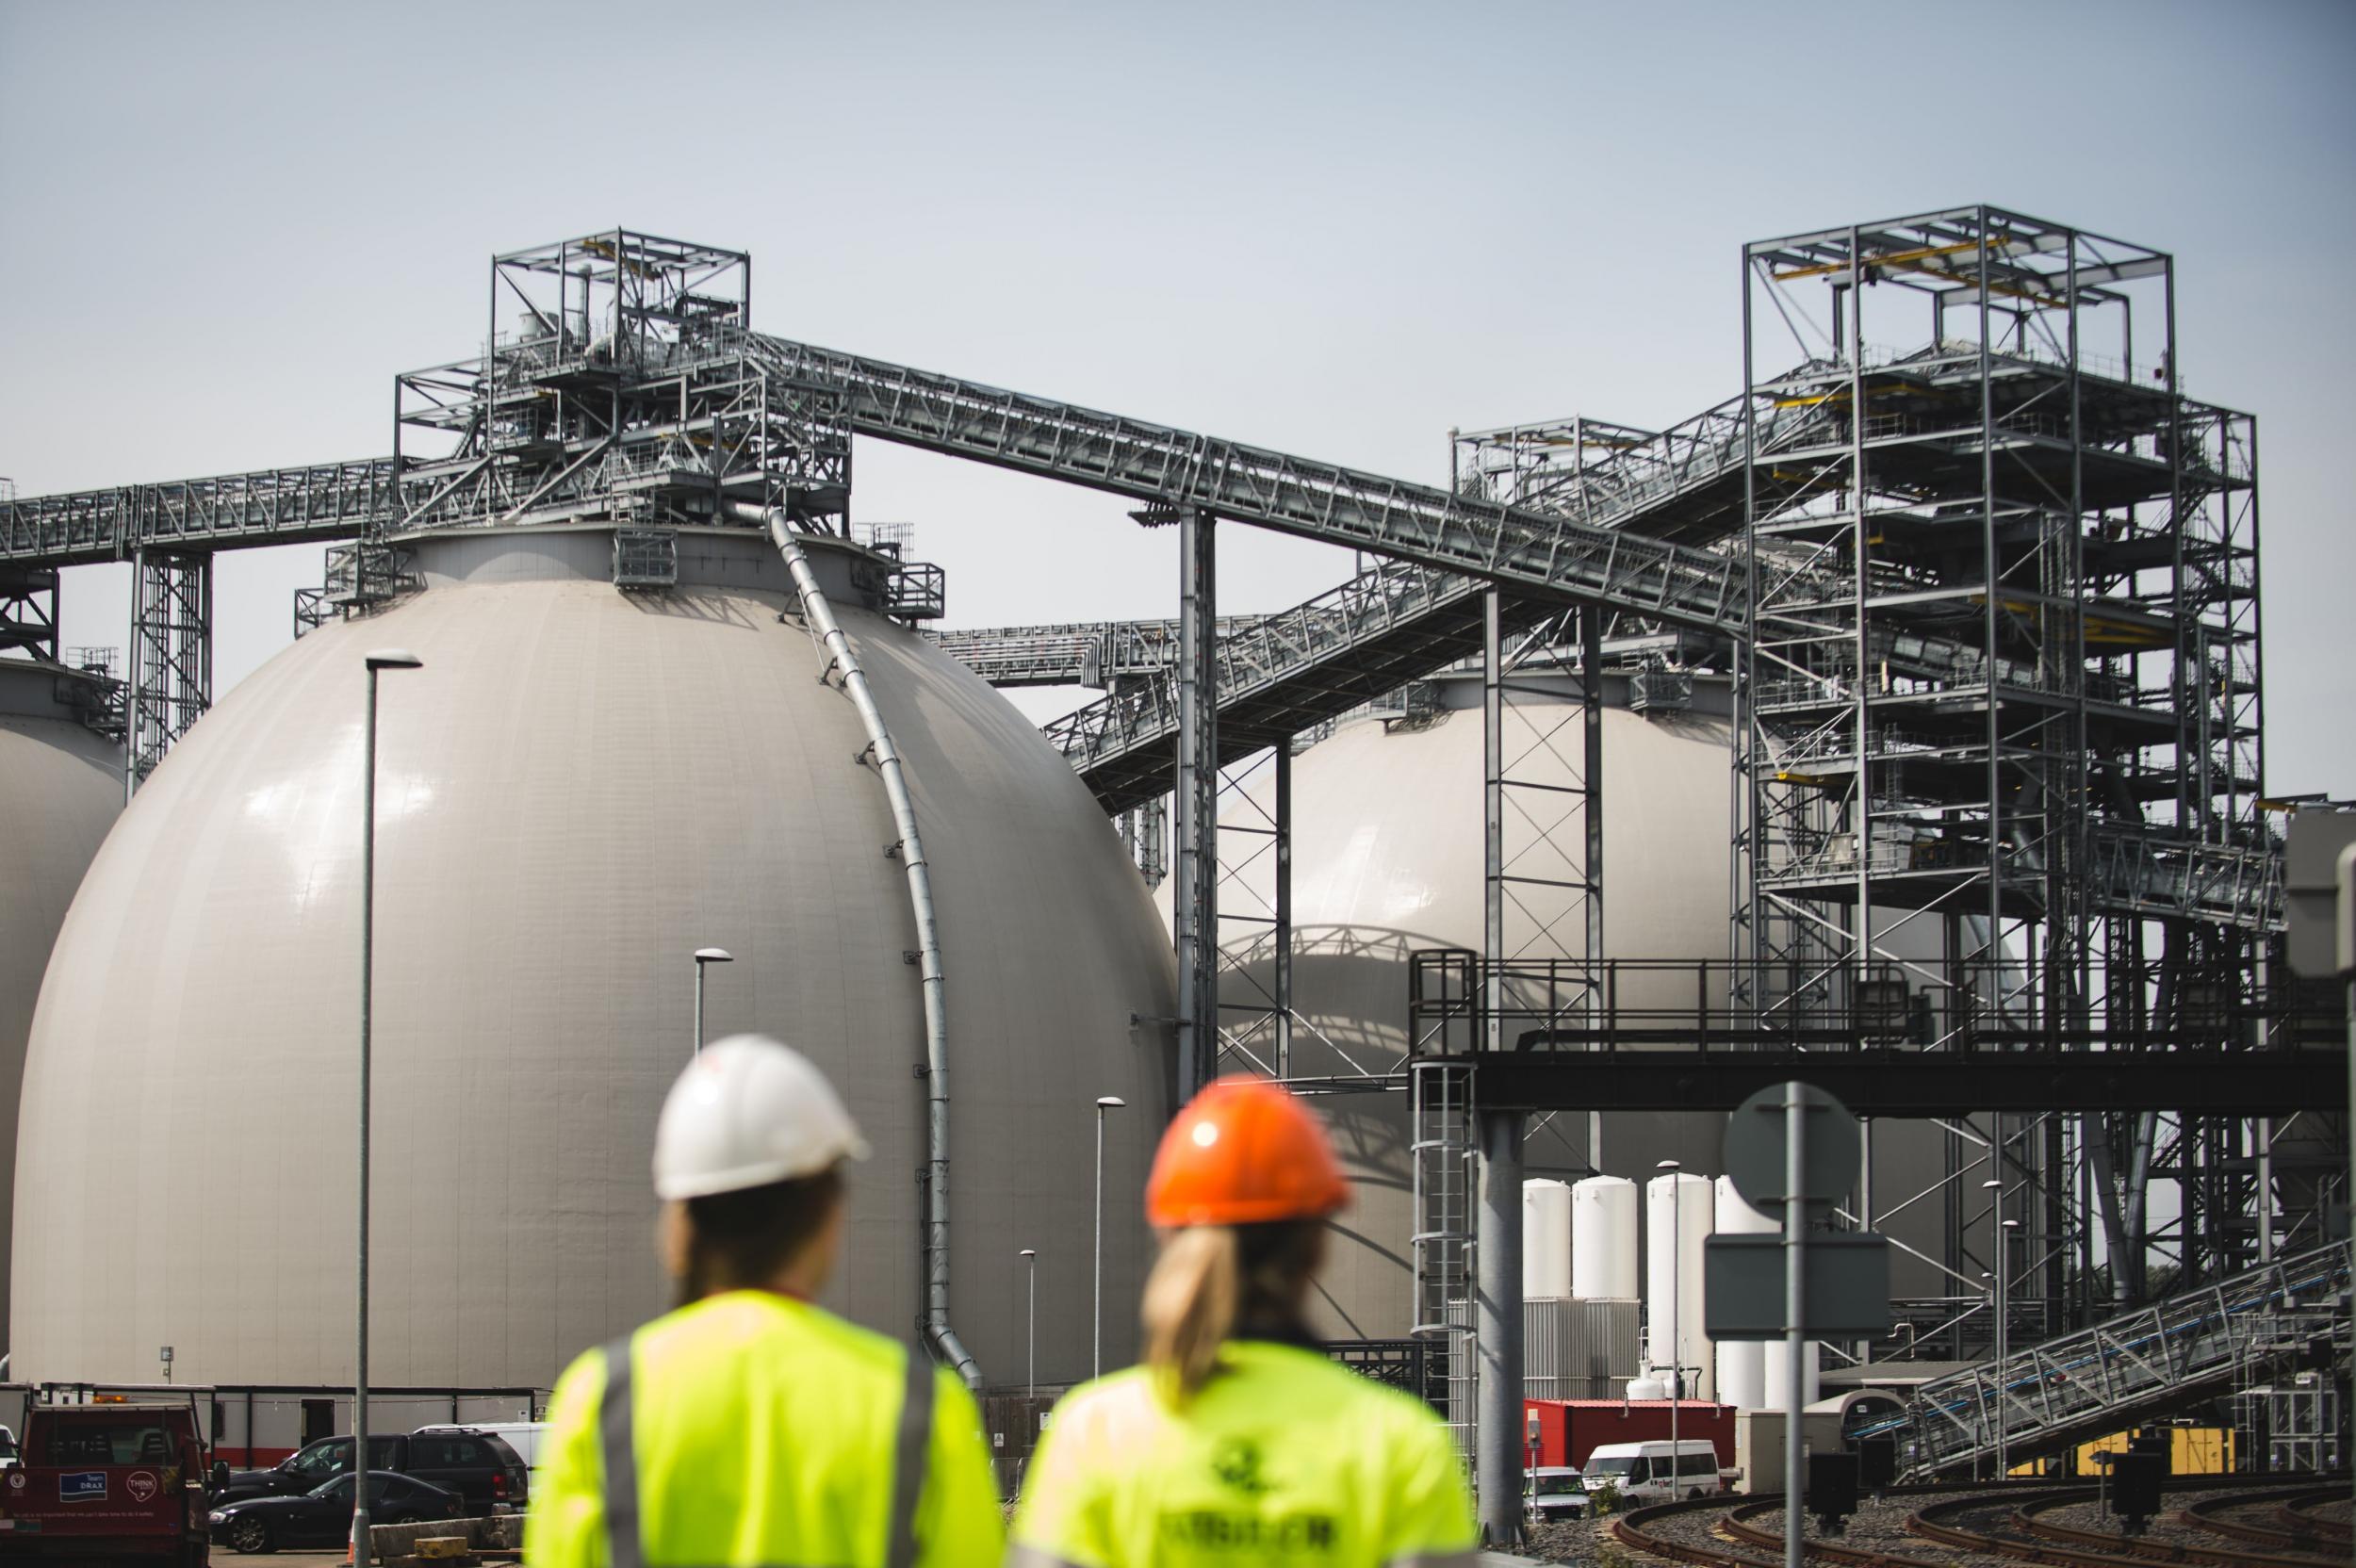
(1242, 1152)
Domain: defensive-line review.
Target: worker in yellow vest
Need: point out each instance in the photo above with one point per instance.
(1238, 1440)
(751, 1426)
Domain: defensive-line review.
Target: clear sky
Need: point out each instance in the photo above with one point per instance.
(1336, 230)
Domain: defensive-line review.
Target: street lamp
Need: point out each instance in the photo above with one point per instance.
(377, 659)
(705, 955)
(1994, 1187)
(1030, 1376)
(1096, 1357)
(2003, 1349)
(1677, 1345)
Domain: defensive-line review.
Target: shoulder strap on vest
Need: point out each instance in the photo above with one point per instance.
(624, 1546)
(908, 1461)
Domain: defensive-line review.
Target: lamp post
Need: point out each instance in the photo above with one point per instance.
(1676, 1344)
(1994, 1187)
(378, 659)
(1096, 1356)
(1030, 1373)
(704, 957)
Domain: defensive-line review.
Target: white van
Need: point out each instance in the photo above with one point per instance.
(522, 1436)
(1656, 1472)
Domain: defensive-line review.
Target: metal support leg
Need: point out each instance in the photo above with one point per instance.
(29, 611)
(1493, 818)
(170, 654)
(1498, 1325)
(1284, 938)
(1194, 904)
(1591, 697)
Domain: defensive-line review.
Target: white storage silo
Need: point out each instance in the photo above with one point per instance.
(1603, 1240)
(1751, 1373)
(1777, 1367)
(1742, 1363)
(1677, 1216)
(580, 789)
(60, 791)
(1545, 1239)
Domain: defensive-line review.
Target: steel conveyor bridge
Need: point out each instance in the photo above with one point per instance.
(1643, 532)
(1531, 552)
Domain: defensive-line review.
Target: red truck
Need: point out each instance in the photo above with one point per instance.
(1565, 1431)
(108, 1480)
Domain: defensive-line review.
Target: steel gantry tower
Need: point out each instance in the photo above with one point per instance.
(2006, 684)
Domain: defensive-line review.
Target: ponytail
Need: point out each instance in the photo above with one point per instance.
(1215, 1282)
(1189, 1306)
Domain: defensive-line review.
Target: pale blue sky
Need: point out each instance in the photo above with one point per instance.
(1337, 230)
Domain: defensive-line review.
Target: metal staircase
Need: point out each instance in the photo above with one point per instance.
(2190, 1346)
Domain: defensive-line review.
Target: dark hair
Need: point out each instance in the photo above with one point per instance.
(1213, 1282)
(742, 1238)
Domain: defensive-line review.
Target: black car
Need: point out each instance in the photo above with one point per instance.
(479, 1466)
(304, 1469)
(322, 1516)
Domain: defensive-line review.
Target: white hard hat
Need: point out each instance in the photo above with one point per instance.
(749, 1111)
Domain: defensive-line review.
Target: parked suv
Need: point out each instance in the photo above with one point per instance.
(481, 1468)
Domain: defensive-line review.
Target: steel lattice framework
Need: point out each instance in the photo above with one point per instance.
(1991, 602)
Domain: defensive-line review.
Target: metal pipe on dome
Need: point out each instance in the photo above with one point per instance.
(911, 849)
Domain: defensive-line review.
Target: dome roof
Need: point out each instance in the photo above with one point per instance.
(60, 790)
(578, 790)
(1389, 854)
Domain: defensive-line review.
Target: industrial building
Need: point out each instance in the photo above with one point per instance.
(1896, 723)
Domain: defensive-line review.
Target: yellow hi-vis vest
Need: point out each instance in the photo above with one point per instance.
(752, 1430)
(1283, 1458)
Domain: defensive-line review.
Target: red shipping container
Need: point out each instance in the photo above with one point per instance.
(1565, 1431)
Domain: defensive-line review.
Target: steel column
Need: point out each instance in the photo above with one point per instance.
(170, 654)
(1194, 903)
(1493, 818)
(1498, 1328)
(1590, 777)
(1283, 937)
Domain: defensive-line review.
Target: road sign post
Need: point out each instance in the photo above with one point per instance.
(1793, 1150)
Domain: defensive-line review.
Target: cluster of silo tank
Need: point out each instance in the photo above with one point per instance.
(1581, 1247)
(1388, 852)
(579, 789)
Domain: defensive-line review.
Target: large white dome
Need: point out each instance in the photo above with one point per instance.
(60, 790)
(1389, 856)
(580, 789)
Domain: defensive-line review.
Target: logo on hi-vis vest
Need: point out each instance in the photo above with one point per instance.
(141, 1484)
(1237, 1461)
(82, 1486)
(1288, 1534)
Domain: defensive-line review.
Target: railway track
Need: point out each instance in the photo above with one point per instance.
(2289, 1520)
(1994, 1526)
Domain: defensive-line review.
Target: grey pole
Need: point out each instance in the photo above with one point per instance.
(1995, 1190)
(1794, 1310)
(1030, 1376)
(382, 658)
(1497, 1330)
(1677, 1338)
(1096, 1355)
(704, 957)
(2003, 1349)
